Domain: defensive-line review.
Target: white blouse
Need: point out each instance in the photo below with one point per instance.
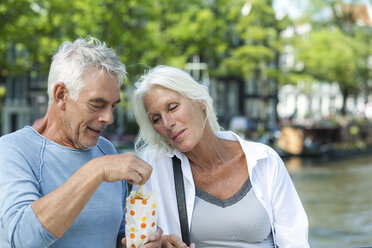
(270, 180)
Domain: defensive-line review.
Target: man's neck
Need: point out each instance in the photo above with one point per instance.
(50, 125)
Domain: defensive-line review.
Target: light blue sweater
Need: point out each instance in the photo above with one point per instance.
(31, 166)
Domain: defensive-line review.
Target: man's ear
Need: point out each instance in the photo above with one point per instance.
(60, 93)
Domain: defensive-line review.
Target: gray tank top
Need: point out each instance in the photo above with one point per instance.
(240, 221)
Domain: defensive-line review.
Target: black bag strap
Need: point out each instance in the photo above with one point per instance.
(181, 200)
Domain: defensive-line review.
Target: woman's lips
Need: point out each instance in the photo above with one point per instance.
(178, 134)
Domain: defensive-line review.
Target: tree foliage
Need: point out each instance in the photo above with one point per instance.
(237, 38)
(144, 33)
(338, 48)
(330, 55)
(257, 41)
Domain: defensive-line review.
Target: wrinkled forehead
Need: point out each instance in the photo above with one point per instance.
(98, 71)
(158, 95)
(100, 85)
(162, 92)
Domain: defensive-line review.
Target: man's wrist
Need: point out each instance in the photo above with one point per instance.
(96, 170)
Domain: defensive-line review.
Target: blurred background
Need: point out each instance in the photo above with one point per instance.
(296, 75)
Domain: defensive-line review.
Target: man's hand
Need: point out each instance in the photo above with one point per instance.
(173, 241)
(125, 166)
(154, 241)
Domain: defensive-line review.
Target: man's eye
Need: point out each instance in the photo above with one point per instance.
(97, 106)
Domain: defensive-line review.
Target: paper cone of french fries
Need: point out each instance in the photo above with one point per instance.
(141, 218)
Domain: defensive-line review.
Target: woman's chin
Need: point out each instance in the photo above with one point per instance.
(184, 148)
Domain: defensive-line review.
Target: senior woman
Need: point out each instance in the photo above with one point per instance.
(238, 193)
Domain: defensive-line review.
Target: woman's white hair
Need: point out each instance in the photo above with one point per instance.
(73, 59)
(174, 79)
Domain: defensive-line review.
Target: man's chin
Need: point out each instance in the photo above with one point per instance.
(89, 144)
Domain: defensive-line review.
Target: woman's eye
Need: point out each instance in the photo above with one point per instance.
(155, 120)
(173, 106)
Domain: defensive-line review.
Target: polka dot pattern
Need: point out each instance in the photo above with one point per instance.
(141, 218)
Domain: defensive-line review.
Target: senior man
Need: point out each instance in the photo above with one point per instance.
(61, 183)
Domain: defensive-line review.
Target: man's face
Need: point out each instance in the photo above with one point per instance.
(85, 119)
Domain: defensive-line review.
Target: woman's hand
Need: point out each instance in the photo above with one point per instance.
(173, 241)
(154, 241)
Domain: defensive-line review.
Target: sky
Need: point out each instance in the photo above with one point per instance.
(294, 7)
(290, 7)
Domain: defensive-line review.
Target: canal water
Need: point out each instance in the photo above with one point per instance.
(337, 197)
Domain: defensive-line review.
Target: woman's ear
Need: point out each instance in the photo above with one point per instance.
(202, 105)
(59, 93)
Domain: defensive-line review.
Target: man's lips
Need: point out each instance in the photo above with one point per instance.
(178, 134)
(96, 130)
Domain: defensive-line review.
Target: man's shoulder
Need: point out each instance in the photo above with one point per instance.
(106, 146)
(20, 147)
(19, 137)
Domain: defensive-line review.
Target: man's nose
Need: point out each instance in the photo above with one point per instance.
(107, 116)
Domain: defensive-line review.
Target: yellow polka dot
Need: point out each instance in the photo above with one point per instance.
(132, 229)
(154, 205)
(143, 219)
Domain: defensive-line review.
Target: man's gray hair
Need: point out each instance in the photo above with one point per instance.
(174, 79)
(73, 59)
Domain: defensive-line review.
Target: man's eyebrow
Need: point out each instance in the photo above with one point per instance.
(102, 100)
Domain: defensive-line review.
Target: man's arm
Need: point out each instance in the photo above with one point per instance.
(58, 210)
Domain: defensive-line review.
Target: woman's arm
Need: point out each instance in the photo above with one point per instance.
(290, 219)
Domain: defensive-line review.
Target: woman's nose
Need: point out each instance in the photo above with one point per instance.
(168, 121)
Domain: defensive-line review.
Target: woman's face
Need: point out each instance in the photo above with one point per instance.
(179, 120)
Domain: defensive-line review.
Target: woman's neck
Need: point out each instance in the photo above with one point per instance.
(209, 152)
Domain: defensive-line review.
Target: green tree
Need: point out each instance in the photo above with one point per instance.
(144, 33)
(338, 49)
(233, 41)
(331, 56)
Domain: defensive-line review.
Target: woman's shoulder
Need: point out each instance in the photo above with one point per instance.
(261, 147)
(152, 154)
